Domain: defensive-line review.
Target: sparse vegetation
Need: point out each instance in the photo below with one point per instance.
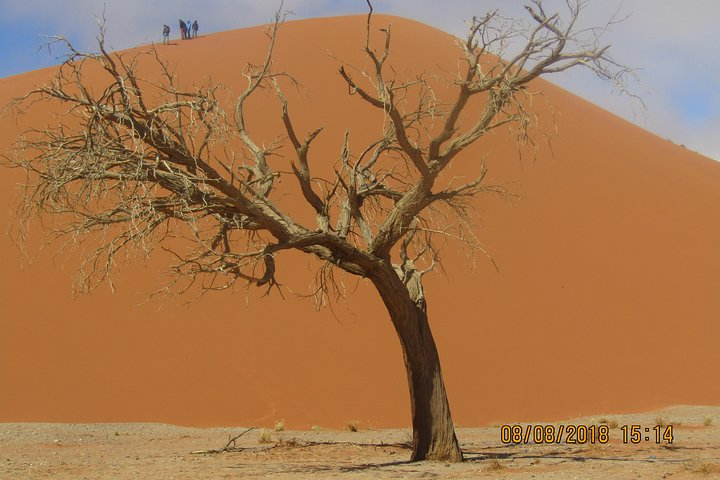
(265, 437)
(338, 454)
(280, 426)
(353, 425)
(316, 428)
(609, 421)
(290, 442)
(708, 421)
(494, 465)
(661, 421)
(706, 468)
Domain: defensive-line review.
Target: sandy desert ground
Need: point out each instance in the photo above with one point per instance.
(150, 451)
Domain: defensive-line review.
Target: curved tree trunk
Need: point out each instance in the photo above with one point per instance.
(433, 430)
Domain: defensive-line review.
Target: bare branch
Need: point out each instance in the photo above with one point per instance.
(150, 159)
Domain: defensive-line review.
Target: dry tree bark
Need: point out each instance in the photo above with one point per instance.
(148, 163)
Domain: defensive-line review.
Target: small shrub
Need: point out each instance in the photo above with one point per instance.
(315, 428)
(708, 421)
(280, 426)
(353, 425)
(661, 421)
(265, 437)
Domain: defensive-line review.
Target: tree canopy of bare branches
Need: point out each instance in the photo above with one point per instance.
(144, 161)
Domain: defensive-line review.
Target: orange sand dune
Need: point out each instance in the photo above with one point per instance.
(606, 299)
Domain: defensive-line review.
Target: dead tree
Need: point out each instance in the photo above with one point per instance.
(145, 162)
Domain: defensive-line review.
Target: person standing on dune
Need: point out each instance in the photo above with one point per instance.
(166, 34)
(183, 29)
(194, 29)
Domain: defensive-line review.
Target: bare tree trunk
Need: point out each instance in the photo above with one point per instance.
(433, 430)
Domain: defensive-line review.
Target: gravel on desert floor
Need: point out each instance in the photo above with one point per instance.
(158, 451)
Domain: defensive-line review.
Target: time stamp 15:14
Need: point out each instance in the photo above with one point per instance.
(581, 434)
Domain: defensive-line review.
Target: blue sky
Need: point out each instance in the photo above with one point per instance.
(673, 44)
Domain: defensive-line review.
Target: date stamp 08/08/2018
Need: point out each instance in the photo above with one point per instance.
(583, 434)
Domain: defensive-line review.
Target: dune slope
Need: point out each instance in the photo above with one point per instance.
(605, 298)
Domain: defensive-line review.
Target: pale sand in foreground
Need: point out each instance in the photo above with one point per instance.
(119, 451)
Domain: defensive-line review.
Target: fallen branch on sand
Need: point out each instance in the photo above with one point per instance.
(230, 446)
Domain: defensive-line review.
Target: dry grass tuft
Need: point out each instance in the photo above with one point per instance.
(610, 422)
(353, 425)
(708, 421)
(280, 426)
(494, 465)
(264, 437)
(291, 442)
(706, 468)
(661, 421)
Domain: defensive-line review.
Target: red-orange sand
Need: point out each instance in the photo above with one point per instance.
(606, 299)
